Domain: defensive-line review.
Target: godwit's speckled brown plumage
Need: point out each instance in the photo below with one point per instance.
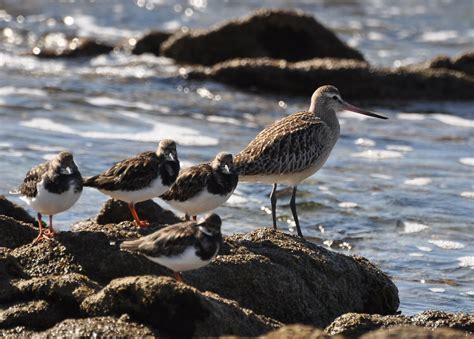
(295, 147)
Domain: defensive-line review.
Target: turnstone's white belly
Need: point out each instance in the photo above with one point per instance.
(50, 203)
(201, 203)
(155, 189)
(186, 261)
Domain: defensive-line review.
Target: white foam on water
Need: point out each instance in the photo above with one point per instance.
(159, 130)
(381, 176)
(467, 195)
(87, 27)
(347, 204)
(466, 262)
(467, 161)
(453, 120)
(106, 101)
(223, 120)
(5, 145)
(401, 148)
(364, 142)
(237, 200)
(42, 148)
(10, 90)
(437, 289)
(447, 244)
(439, 36)
(378, 154)
(421, 181)
(9, 153)
(411, 116)
(469, 293)
(424, 248)
(413, 227)
(416, 254)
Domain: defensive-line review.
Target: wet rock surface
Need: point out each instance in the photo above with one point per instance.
(58, 45)
(297, 332)
(150, 43)
(355, 79)
(415, 332)
(313, 285)
(278, 34)
(463, 63)
(354, 324)
(14, 233)
(10, 209)
(115, 211)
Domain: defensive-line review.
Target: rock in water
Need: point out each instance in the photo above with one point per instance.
(150, 43)
(294, 281)
(176, 309)
(278, 34)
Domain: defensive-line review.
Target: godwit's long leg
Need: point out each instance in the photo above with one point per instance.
(293, 210)
(273, 200)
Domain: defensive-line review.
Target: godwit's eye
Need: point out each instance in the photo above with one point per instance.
(335, 97)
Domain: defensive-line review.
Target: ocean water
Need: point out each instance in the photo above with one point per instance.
(399, 192)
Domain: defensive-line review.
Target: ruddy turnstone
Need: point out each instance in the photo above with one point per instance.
(295, 147)
(181, 247)
(139, 178)
(204, 187)
(51, 188)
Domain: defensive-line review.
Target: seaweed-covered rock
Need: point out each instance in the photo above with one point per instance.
(297, 331)
(150, 43)
(353, 324)
(37, 314)
(175, 308)
(414, 332)
(10, 209)
(115, 211)
(14, 233)
(278, 34)
(355, 79)
(294, 281)
(58, 45)
(463, 63)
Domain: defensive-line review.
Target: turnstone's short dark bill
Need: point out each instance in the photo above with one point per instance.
(139, 178)
(51, 188)
(204, 187)
(181, 247)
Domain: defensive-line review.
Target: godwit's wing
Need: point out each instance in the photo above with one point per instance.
(289, 145)
(130, 174)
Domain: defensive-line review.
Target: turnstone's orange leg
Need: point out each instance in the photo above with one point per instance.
(194, 217)
(50, 231)
(178, 277)
(41, 234)
(140, 223)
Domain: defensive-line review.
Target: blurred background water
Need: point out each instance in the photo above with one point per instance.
(400, 192)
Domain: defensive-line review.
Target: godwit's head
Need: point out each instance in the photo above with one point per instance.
(167, 148)
(327, 99)
(223, 162)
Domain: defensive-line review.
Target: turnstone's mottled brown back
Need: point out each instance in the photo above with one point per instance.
(289, 145)
(190, 182)
(29, 186)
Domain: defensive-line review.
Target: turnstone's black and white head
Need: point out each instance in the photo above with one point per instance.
(204, 187)
(51, 188)
(181, 247)
(139, 178)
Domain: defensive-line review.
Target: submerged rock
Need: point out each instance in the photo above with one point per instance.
(463, 63)
(175, 308)
(115, 211)
(355, 79)
(151, 43)
(353, 324)
(10, 209)
(58, 45)
(278, 34)
(294, 281)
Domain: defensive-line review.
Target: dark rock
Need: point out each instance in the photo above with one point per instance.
(98, 327)
(150, 43)
(14, 233)
(175, 308)
(57, 45)
(115, 211)
(353, 324)
(14, 211)
(295, 281)
(463, 63)
(355, 79)
(37, 314)
(297, 332)
(279, 34)
(10, 270)
(413, 332)
(90, 253)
